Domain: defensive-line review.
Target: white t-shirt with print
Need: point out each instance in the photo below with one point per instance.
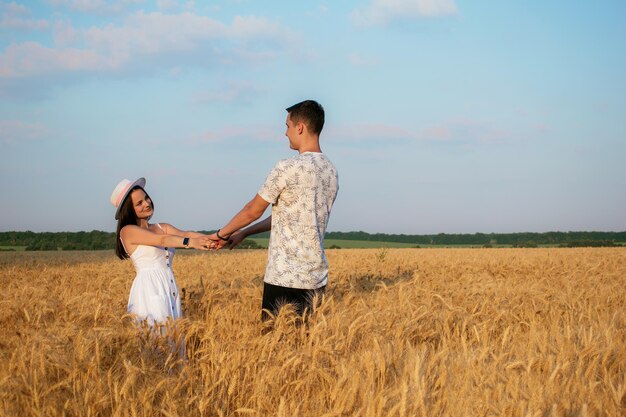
(302, 191)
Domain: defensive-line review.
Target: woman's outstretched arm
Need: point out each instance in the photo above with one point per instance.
(171, 230)
(134, 235)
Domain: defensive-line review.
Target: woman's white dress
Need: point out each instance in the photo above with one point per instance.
(154, 294)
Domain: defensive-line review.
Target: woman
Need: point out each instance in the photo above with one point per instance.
(154, 295)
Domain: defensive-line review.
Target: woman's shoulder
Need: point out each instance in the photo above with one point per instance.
(129, 228)
(160, 228)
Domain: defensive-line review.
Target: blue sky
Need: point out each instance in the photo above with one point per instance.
(442, 116)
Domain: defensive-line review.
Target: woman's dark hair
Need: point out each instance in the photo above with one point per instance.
(127, 216)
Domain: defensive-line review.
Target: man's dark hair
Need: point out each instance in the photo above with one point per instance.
(309, 112)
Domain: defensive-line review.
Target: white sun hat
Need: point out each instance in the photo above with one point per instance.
(121, 191)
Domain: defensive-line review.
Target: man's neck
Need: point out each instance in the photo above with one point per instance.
(310, 145)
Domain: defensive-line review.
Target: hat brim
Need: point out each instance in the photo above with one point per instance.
(141, 182)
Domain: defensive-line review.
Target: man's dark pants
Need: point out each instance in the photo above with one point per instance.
(274, 297)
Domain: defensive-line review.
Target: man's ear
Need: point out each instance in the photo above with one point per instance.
(300, 127)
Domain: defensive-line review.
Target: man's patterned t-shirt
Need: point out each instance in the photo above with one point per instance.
(302, 191)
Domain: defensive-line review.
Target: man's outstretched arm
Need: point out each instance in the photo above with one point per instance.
(249, 213)
(263, 226)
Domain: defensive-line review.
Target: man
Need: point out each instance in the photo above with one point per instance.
(302, 191)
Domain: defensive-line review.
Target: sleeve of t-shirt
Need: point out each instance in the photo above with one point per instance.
(274, 183)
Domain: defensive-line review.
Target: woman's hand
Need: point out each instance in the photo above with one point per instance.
(202, 243)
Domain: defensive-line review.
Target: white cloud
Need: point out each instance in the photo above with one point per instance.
(255, 133)
(175, 5)
(31, 59)
(13, 16)
(382, 12)
(153, 33)
(96, 6)
(230, 92)
(8, 22)
(13, 8)
(464, 131)
(149, 41)
(167, 5)
(252, 26)
(13, 131)
(64, 34)
(458, 132)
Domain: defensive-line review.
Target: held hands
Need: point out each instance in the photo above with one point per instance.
(217, 242)
(231, 241)
(202, 243)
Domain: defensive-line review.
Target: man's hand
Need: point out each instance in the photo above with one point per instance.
(235, 239)
(217, 242)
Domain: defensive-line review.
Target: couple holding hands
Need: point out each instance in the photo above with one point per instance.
(302, 191)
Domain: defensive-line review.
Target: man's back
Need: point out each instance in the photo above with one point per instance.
(302, 190)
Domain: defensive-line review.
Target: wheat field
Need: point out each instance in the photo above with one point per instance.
(401, 332)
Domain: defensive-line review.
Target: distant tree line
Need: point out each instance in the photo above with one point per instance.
(97, 240)
(94, 240)
(512, 239)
